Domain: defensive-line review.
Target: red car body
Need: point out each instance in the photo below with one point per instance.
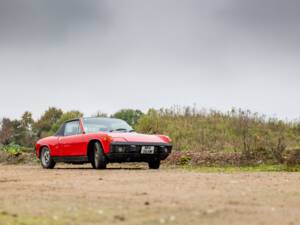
(78, 148)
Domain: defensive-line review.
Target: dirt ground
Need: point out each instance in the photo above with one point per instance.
(126, 194)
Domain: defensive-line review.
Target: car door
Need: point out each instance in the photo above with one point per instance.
(56, 148)
(71, 143)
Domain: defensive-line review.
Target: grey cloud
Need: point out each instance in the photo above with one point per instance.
(275, 13)
(274, 21)
(155, 53)
(45, 20)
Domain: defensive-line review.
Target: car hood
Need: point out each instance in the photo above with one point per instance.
(135, 137)
(47, 139)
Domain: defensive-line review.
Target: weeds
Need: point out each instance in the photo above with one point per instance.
(12, 148)
(185, 160)
(232, 169)
(252, 136)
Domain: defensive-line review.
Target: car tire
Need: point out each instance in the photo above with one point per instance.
(154, 164)
(46, 160)
(99, 159)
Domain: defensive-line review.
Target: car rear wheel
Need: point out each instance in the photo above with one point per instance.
(46, 159)
(154, 164)
(99, 160)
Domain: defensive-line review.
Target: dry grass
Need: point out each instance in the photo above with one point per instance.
(238, 133)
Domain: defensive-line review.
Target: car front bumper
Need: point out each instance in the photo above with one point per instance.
(131, 152)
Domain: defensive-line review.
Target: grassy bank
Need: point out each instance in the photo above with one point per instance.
(236, 169)
(248, 136)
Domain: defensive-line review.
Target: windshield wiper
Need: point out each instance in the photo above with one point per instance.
(123, 129)
(119, 129)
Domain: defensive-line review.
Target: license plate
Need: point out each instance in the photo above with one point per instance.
(147, 150)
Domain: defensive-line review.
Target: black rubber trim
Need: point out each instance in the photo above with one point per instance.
(70, 159)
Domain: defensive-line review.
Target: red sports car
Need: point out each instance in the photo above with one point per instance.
(100, 141)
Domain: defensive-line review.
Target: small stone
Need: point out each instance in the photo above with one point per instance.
(162, 220)
(172, 218)
(120, 218)
(55, 217)
(141, 193)
(210, 211)
(4, 213)
(147, 203)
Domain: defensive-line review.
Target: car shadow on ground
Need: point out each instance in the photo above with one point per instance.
(112, 168)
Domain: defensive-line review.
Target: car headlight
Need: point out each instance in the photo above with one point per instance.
(164, 149)
(120, 149)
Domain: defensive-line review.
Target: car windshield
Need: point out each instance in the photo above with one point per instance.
(92, 125)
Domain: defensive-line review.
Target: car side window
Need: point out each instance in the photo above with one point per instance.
(72, 128)
(61, 131)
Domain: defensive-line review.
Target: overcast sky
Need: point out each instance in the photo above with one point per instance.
(110, 54)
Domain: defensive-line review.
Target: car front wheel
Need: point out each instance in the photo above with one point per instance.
(46, 159)
(99, 160)
(154, 164)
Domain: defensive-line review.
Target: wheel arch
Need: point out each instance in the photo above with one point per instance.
(40, 150)
(90, 147)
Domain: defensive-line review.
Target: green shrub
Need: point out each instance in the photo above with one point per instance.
(12, 148)
(185, 160)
